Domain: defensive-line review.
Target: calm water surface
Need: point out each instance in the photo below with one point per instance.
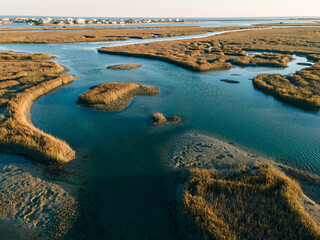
(127, 194)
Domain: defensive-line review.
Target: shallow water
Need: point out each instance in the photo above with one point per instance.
(127, 192)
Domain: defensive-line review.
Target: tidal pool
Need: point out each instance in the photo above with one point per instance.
(127, 194)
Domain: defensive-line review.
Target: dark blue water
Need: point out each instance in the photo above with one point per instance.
(127, 193)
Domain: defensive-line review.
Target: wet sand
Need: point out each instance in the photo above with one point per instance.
(31, 206)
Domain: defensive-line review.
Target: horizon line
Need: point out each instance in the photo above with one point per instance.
(289, 16)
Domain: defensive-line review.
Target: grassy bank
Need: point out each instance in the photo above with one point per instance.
(221, 51)
(228, 193)
(115, 96)
(34, 76)
(262, 203)
(227, 50)
(301, 88)
(93, 35)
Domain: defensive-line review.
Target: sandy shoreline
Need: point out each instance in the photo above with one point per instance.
(31, 206)
(194, 150)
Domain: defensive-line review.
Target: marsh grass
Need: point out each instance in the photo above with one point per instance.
(115, 96)
(301, 176)
(35, 76)
(103, 34)
(158, 118)
(222, 52)
(301, 88)
(256, 203)
(125, 66)
(268, 60)
(206, 54)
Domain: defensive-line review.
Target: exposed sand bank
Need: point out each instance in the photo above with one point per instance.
(227, 193)
(193, 150)
(31, 207)
(35, 76)
(115, 96)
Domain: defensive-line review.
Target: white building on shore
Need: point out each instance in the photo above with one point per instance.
(80, 21)
(5, 20)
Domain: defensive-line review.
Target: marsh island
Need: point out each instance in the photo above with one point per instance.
(115, 96)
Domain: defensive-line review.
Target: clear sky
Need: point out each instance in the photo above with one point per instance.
(161, 8)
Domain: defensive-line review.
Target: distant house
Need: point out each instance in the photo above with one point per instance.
(146, 21)
(44, 21)
(70, 21)
(80, 21)
(58, 21)
(121, 21)
(19, 20)
(5, 20)
(113, 22)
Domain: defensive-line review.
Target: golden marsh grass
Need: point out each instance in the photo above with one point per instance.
(115, 96)
(35, 76)
(224, 51)
(259, 203)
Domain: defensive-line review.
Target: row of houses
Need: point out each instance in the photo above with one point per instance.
(5, 20)
(81, 21)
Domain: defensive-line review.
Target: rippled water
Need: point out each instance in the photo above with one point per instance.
(127, 193)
